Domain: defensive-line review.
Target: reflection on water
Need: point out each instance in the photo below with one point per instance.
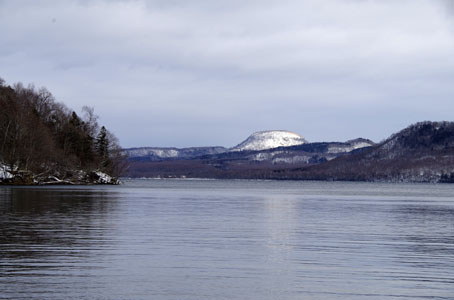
(58, 218)
(178, 239)
(46, 233)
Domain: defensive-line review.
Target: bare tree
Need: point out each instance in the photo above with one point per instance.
(91, 119)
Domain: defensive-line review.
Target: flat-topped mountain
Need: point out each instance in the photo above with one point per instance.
(270, 139)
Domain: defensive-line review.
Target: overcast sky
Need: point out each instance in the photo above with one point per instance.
(211, 72)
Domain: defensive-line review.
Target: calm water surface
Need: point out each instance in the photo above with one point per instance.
(182, 239)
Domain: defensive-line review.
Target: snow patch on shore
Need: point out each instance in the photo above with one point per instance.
(5, 172)
(104, 178)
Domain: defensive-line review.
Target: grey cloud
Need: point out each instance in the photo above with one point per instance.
(449, 6)
(210, 72)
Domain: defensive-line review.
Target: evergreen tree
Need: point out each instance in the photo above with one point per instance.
(102, 147)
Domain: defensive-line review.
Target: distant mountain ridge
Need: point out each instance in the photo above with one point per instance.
(423, 152)
(261, 141)
(307, 153)
(257, 151)
(163, 153)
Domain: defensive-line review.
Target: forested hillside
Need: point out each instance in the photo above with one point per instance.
(42, 139)
(423, 152)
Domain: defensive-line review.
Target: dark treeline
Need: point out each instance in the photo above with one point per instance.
(43, 136)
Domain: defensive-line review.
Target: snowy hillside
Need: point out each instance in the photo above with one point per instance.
(155, 153)
(349, 145)
(270, 139)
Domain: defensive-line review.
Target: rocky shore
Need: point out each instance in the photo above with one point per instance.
(13, 176)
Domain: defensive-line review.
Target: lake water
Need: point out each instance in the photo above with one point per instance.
(203, 239)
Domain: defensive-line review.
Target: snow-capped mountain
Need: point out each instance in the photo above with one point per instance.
(270, 139)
